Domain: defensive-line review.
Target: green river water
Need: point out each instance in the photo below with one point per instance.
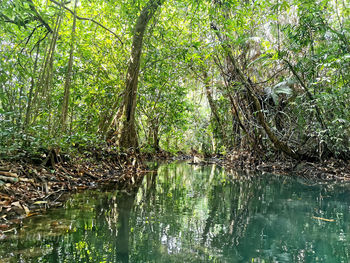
(184, 213)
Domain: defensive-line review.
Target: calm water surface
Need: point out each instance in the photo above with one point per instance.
(183, 213)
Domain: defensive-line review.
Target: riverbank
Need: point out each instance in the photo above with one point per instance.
(27, 188)
(321, 171)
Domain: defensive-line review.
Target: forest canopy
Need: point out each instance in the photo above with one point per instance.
(269, 77)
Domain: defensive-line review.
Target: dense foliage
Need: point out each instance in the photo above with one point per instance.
(214, 76)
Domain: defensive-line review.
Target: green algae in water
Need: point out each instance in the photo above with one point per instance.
(184, 213)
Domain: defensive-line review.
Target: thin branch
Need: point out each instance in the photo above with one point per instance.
(308, 93)
(7, 19)
(38, 17)
(89, 19)
(39, 41)
(270, 78)
(28, 38)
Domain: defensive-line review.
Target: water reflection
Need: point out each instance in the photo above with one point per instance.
(183, 213)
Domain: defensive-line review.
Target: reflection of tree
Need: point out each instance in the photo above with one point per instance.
(228, 205)
(112, 217)
(125, 202)
(165, 224)
(213, 207)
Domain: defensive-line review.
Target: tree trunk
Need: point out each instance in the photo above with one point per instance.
(128, 137)
(213, 107)
(67, 84)
(32, 85)
(42, 98)
(156, 138)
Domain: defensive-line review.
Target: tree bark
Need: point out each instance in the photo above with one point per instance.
(128, 137)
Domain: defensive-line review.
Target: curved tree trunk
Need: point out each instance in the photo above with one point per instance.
(280, 145)
(128, 137)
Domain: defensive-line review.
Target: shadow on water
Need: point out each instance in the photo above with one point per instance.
(183, 213)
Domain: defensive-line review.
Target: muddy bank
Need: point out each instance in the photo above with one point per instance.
(27, 189)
